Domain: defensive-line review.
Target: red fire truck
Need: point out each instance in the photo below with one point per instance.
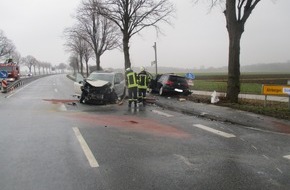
(12, 69)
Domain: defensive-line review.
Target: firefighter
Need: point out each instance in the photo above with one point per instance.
(143, 82)
(132, 85)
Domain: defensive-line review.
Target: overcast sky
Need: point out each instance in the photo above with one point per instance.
(198, 38)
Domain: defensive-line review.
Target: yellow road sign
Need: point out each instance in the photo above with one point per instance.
(276, 89)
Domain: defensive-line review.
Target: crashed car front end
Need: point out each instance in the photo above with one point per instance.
(98, 92)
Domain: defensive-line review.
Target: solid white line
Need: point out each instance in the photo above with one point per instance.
(217, 132)
(162, 113)
(287, 157)
(92, 160)
(20, 89)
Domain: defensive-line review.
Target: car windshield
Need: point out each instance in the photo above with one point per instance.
(101, 76)
(6, 68)
(79, 77)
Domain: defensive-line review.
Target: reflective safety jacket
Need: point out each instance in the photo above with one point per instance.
(131, 79)
(143, 80)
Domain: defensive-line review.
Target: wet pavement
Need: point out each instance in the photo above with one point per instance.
(225, 114)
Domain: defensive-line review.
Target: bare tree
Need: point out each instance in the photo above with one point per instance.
(99, 32)
(87, 55)
(73, 62)
(236, 13)
(43, 65)
(132, 16)
(62, 67)
(29, 61)
(6, 45)
(47, 67)
(36, 64)
(16, 56)
(75, 43)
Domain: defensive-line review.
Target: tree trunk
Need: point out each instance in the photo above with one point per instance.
(233, 87)
(235, 29)
(126, 51)
(87, 67)
(78, 67)
(98, 62)
(82, 65)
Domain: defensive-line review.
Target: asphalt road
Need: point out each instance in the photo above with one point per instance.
(50, 141)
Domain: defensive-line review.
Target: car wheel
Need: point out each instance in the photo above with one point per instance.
(161, 93)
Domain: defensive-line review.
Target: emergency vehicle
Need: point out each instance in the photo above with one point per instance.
(12, 69)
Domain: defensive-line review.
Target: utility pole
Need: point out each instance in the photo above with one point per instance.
(155, 50)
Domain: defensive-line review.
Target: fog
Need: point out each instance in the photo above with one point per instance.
(197, 37)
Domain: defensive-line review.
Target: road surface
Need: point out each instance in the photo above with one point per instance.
(49, 141)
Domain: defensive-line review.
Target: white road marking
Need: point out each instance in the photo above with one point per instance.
(62, 107)
(279, 170)
(266, 157)
(162, 113)
(92, 160)
(254, 147)
(287, 157)
(243, 139)
(265, 131)
(217, 132)
(183, 159)
(55, 90)
(19, 89)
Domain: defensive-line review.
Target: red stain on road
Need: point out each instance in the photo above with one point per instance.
(281, 127)
(135, 124)
(57, 101)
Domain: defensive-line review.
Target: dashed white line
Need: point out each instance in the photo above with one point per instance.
(184, 159)
(87, 151)
(243, 139)
(254, 147)
(62, 107)
(217, 132)
(279, 170)
(287, 157)
(266, 157)
(162, 113)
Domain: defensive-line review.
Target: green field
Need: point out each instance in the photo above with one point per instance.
(246, 88)
(250, 83)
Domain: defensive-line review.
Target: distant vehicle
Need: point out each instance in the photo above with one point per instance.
(29, 74)
(170, 84)
(100, 87)
(12, 69)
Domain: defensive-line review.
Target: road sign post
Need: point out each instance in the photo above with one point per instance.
(276, 90)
